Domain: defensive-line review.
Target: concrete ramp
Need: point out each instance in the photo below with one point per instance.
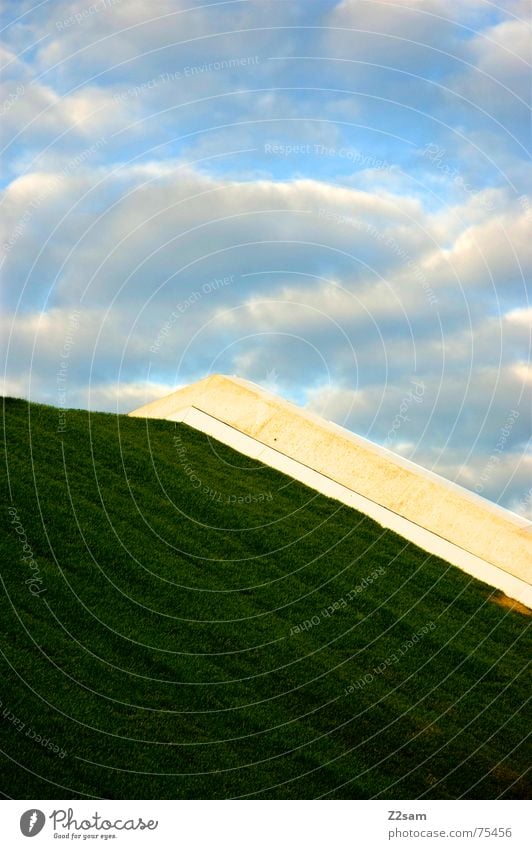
(485, 540)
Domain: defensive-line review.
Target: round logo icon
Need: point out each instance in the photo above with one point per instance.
(32, 822)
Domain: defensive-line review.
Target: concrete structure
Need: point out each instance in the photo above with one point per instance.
(443, 518)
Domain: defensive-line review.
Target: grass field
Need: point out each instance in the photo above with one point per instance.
(180, 622)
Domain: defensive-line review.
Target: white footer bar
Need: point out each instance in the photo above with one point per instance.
(267, 824)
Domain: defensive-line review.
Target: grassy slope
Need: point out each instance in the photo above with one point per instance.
(160, 657)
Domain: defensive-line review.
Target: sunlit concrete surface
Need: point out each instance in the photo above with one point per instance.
(481, 538)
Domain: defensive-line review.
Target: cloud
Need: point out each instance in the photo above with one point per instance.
(133, 40)
(185, 274)
(39, 114)
(171, 209)
(521, 316)
(499, 80)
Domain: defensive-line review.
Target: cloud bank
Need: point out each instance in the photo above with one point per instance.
(332, 201)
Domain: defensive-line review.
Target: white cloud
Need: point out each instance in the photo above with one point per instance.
(521, 316)
(344, 280)
(502, 53)
(41, 126)
(123, 397)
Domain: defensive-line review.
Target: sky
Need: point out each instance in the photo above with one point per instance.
(331, 199)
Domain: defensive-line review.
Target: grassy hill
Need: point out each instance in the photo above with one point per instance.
(180, 622)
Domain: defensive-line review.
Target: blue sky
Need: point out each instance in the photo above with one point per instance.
(329, 198)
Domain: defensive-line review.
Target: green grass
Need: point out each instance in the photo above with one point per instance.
(163, 656)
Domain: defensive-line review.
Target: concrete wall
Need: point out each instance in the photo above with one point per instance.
(488, 532)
